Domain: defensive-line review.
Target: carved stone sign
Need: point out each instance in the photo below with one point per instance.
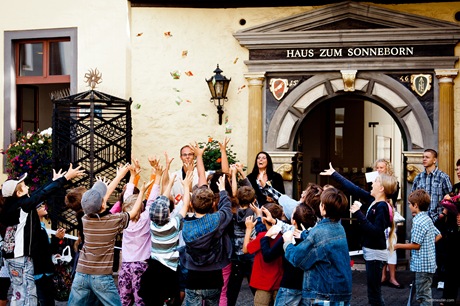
(351, 52)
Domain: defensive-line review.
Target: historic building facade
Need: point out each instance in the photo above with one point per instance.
(306, 82)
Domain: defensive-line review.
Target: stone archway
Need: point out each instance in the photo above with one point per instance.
(398, 100)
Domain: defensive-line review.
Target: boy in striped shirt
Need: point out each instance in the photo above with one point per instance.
(93, 280)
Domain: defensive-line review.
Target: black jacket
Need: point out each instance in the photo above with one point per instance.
(25, 206)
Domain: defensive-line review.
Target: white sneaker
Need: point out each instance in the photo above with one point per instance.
(440, 285)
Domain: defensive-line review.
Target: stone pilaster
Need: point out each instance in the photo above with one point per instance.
(255, 115)
(446, 158)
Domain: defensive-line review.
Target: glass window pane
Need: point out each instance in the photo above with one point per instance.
(31, 59)
(339, 142)
(28, 104)
(60, 58)
(339, 115)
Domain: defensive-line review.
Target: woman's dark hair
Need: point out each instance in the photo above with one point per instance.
(255, 169)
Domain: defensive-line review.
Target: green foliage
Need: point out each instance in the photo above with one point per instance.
(31, 153)
(212, 158)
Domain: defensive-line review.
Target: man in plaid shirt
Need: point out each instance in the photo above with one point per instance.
(423, 237)
(433, 181)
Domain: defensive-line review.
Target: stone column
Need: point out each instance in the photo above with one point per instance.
(446, 160)
(283, 163)
(255, 115)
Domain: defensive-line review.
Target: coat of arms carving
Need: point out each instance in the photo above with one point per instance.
(420, 83)
(279, 87)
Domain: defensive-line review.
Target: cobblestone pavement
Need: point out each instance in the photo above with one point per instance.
(392, 296)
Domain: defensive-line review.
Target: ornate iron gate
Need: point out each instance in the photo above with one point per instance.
(92, 129)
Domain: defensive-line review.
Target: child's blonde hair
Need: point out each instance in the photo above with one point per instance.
(389, 184)
(128, 205)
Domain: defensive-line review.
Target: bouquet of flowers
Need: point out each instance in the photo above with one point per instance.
(31, 153)
(212, 158)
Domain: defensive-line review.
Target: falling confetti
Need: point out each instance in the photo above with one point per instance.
(226, 119)
(241, 88)
(184, 53)
(188, 73)
(168, 34)
(204, 115)
(137, 106)
(175, 89)
(236, 60)
(188, 101)
(228, 129)
(175, 74)
(178, 100)
(139, 34)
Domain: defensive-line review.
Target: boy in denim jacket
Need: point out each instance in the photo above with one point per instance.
(206, 246)
(323, 254)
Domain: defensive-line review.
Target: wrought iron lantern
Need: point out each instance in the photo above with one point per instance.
(218, 86)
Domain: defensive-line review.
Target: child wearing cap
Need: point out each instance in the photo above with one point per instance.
(93, 278)
(165, 228)
(19, 216)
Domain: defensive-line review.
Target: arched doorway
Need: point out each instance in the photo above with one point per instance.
(323, 102)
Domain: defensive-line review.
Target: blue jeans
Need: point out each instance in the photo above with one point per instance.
(374, 282)
(423, 282)
(200, 297)
(22, 280)
(87, 289)
(287, 297)
(310, 302)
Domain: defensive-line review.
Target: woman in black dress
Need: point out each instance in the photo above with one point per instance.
(267, 183)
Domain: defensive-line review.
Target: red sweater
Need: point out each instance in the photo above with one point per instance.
(265, 275)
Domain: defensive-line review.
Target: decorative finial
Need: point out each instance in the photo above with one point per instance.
(93, 78)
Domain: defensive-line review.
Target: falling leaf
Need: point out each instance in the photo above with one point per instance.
(188, 73)
(204, 115)
(226, 119)
(175, 89)
(178, 100)
(188, 101)
(228, 129)
(137, 106)
(184, 53)
(241, 88)
(236, 60)
(168, 34)
(139, 34)
(175, 74)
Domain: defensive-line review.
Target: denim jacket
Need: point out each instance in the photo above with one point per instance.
(323, 256)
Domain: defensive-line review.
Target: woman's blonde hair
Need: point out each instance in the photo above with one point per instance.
(388, 164)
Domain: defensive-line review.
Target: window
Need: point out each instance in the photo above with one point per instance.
(43, 61)
(26, 100)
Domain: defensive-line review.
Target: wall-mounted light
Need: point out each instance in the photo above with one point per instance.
(218, 86)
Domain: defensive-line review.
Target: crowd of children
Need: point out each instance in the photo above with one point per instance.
(192, 237)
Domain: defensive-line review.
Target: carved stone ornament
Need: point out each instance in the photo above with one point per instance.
(286, 171)
(278, 88)
(93, 78)
(412, 172)
(420, 83)
(348, 77)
